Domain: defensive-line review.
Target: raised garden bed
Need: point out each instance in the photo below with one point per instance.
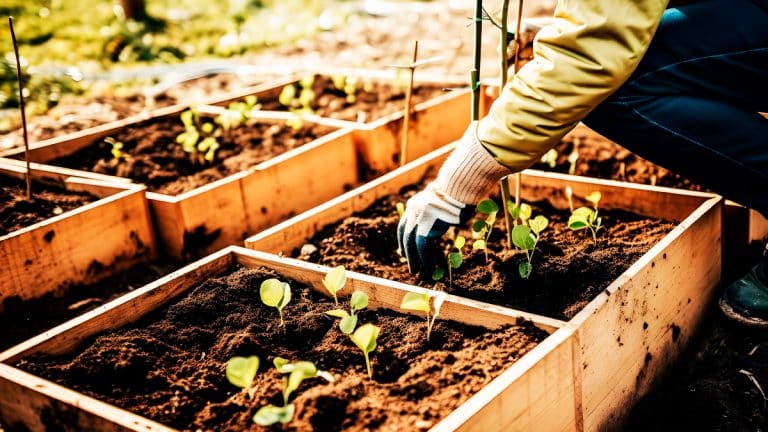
(77, 231)
(376, 113)
(644, 317)
(524, 374)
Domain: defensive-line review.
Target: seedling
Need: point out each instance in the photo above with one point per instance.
(334, 281)
(587, 218)
(357, 302)
(116, 150)
(574, 157)
(520, 214)
(297, 372)
(481, 228)
(198, 139)
(550, 158)
(526, 236)
(420, 302)
(237, 113)
(276, 294)
(365, 339)
(241, 371)
(454, 259)
(347, 84)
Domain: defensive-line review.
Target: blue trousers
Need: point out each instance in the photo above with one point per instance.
(693, 104)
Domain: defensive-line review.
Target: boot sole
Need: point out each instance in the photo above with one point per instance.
(748, 321)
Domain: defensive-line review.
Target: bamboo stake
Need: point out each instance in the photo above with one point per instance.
(474, 73)
(407, 114)
(518, 47)
(23, 114)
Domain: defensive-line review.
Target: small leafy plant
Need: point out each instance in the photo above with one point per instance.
(420, 302)
(276, 294)
(116, 150)
(550, 158)
(199, 139)
(297, 372)
(454, 259)
(526, 233)
(357, 302)
(365, 339)
(237, 113)
(481, 228)
(298, 100)
(347, 84)
(573, 157)
(334, 281)
(241, 372)
(587, 218)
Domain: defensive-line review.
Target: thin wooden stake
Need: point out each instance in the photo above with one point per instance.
(23, 114)
(407, 114)
(518, 47)
(474, 73)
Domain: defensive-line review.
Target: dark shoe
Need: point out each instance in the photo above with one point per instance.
(746, 300)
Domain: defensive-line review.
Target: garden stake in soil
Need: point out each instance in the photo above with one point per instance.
(21, 106)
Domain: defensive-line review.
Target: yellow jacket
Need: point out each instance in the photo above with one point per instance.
(592, 47)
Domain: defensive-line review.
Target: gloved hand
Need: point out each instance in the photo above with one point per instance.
(469, 174)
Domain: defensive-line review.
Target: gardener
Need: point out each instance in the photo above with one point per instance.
(691, 105)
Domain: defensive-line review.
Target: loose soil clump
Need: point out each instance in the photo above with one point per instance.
(372, 101)
(21, 320)
(170, 366)
(47, 201)
(569, 270)
(154, 158)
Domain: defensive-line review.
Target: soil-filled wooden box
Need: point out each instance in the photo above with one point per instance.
(200, 206)
(75, 231)
(375, 110)
(626, 332)
(489, 366)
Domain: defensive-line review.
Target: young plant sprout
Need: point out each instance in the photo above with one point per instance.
(297, 372)
(365, 339)
(454, 260)
(198, 139)
(420, 302)
(574, 157)
(587, 218)
(276, 294)
(117, 149)
(550, 158)
(526, 236)
(357, 302)
(481, 228)
(347, 84)
(241, 371)
(334, 281)
(520, 214)
(237, 113)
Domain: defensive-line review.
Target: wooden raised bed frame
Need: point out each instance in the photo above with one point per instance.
(653, 309)
(47, 257)
(525, 395)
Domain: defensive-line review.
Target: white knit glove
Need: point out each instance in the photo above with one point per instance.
(469, 174)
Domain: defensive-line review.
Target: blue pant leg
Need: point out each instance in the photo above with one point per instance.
(692, 104)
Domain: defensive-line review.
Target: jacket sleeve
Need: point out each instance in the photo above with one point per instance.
(589, 50)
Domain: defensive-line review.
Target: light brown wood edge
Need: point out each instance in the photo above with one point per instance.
(105, 412)
(64, 172)
(123, 310)
(388, 294)
(465, 412)
(253, 241)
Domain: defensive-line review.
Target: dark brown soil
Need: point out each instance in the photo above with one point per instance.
(170, 366)
(601, 158)
(156, 160)
(569, 269)
(22, 320)
(709, 389)
(47, 201)
(372, 103)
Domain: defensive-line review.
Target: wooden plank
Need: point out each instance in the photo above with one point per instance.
(26, 398)
(61, 172)
(633, 332)
(79, 246)
(758, 227)
(535, 394)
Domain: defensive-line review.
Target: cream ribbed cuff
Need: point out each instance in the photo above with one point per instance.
(470, 173)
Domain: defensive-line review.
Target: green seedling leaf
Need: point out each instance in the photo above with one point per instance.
(187, 117)
(242, 370)
(538, 224)
(416, 302)
(594, 198)
(459, 242)
(334, 281)
(270, 414)
(455, 259)
(525, 212)
(271, 292)
(478, 225)
(287, 95)
(279, 363)
(348, 323)
(479, 245)
(524, 268)
(487, 206)
(365, 339)
(359, 301)
(550, 158)
(522, 238)
(338, 313)
(307, 82)
(438, 274)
